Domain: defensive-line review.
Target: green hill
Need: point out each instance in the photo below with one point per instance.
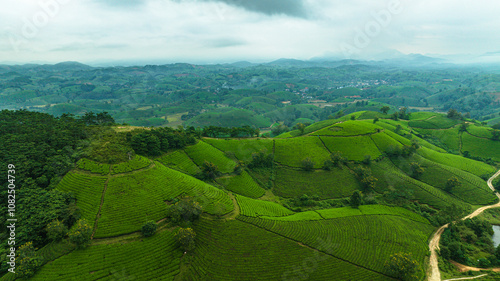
(278, 219)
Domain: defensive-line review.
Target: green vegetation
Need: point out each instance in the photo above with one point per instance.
(243, 148)
(348, 128)
(353, 148)
(242, 184)
(161, 262)
(291, 198)
(255, 208)
(138, 162)
(87, 191)
(336, 183)
(223, 251)
(149, 228)
(179, 160)
(291, 152)
(93, 167)
(202, 152)
(472, 166)
(80, 234)
(403, 233)
(131, 200)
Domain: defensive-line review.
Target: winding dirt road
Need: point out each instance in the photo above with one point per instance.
(434, 274)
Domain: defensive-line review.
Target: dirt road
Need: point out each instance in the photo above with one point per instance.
(434, 274)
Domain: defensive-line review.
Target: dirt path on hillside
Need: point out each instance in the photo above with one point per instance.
(464, 268)
(467, 278)
(434, 274)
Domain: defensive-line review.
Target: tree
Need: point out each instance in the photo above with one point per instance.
(463, 127)
(367, 160)
(416, 170)
(81, 233)
(56, 230)
(209, 171)
(27, 260)
(495, 135)
(327, 165)
(454, 114)
(353, 117)
(185, 211)
(355, 199)
(402, 266)
(186, 237)
(385, 109)
(337, 158)
(149, 228)
(261, 159)
(375, 120)
(307, 164)
(301, 127)
(452, 183)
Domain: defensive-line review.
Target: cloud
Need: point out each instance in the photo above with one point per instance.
(122, 3)
(294, 8)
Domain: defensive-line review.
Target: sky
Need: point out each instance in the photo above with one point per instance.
(224, 31)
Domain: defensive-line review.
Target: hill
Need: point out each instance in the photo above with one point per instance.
(274, 208)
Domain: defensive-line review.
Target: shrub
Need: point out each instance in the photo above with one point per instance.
(327, 165)
(56, 230)
(337, 158)
(80, 233)
(28, 261)
(261, 160)
(355, 199)
(402, 266)
(416, 170)
(185, 211)
(209, 171)
(149, 228)
(307, 164)
(186, 237)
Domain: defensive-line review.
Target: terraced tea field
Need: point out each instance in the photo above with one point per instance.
(202, 152)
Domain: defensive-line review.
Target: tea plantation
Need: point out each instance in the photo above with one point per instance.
(279, 218)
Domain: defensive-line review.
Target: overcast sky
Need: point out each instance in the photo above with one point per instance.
(93, 31)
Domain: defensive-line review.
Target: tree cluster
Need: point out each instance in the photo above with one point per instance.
(234, 132)
(154, 142)
(261, 159)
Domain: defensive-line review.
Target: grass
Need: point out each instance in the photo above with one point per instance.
(87, 190)
(358, 239)
(337, 183)
(291, 152)
(348, 128)
(472, 166)
(179, 160)
(237, 250)
(353, 148)
(133, 199)
(255, 208)
(202, 151)
(242, 148)
(242, 184)
(118, 261)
